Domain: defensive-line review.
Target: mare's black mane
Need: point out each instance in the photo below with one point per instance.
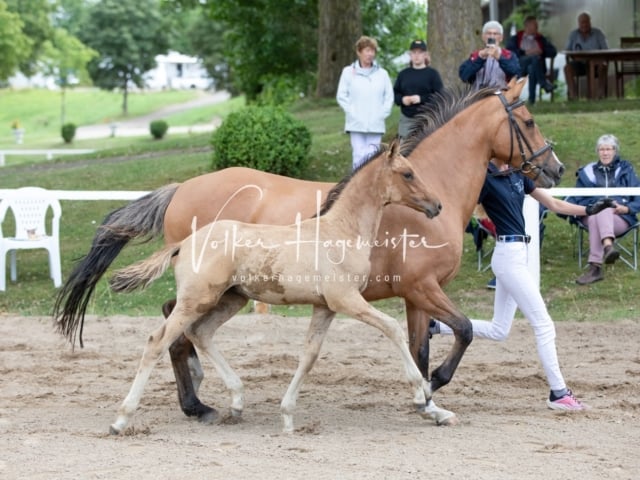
(444, 106)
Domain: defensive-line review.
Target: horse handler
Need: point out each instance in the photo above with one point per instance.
(502, 196)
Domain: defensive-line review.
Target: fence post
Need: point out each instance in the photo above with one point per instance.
(531, 210)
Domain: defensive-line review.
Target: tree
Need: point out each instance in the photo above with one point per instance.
(301, 46)
(15, 47)
(393, 23)
(128, 36)
(34, 15)
(340, 25)
(268, 42)
(66, 58)
(72, 15)
(454, 31)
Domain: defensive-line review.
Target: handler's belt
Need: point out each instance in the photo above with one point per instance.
(514, 238)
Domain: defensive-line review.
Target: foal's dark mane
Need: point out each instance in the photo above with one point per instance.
(445, 105)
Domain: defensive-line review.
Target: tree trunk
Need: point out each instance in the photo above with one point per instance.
(454, 28)
(63, 104)
(125, 98)
(339, 26)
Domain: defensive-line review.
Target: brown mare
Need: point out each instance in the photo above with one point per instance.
(450, 149)
(322, 261)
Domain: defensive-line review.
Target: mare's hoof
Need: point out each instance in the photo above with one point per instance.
(200, 410)
(113, 430)
(208, 416)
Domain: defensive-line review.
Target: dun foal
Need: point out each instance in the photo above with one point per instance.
(322, 261)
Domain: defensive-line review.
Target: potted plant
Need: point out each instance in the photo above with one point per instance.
(18, 131)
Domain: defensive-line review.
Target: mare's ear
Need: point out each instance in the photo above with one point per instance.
(514, 88)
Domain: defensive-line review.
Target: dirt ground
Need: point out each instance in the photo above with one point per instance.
(354, 417)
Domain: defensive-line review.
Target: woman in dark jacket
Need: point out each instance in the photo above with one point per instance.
(609, 171)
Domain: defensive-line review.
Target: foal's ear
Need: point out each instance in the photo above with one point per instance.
(394, 149)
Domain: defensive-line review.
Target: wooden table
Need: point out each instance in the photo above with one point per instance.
(594, 57)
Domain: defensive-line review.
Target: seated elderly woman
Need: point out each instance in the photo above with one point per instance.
(609, 171)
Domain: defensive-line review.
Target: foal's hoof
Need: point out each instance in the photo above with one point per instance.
(113, 430)
(441, 416)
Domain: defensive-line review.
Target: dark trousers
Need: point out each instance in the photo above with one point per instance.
(534, 67)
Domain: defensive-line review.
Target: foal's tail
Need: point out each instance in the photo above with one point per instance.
(143, 273)
(144, 219)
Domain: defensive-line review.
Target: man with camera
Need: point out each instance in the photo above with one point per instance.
(491, 66)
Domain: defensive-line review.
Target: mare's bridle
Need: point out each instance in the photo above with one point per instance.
(515, 131)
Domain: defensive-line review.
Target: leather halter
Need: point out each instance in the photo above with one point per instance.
(527, 163)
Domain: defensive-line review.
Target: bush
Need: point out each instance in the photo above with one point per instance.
(158, 128)
(264, 138)
(68, 132)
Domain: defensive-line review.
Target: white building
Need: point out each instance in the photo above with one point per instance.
(178, 71)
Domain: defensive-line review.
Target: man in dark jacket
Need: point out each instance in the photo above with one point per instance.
(532, 49)
(492, 65)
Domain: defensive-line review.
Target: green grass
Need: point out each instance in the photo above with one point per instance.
(144, 164)
(39, 111)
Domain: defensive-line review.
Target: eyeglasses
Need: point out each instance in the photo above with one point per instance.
(605, 149)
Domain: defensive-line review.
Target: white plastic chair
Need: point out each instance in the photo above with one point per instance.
(30, 206)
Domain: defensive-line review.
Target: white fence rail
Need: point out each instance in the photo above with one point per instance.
(532, 216)
(48, 153)
(531, 209)
(90, 194)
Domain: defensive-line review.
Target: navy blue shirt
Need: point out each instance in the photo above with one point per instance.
(502, 197)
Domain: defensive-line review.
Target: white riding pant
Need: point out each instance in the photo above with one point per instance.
(516, 288)
(363, 145)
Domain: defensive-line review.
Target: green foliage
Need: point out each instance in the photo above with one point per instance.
(15, 46)
(65, 57)
(34, 15)
(264, 138)
(284, 90)
(530, 7)
(267, 49)
(68, 132)
(158, 129)
(394, 23)
(267, 38)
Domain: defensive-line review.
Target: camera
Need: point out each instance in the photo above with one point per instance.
(491, 41)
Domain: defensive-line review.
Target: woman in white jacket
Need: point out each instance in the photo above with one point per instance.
(365, 93)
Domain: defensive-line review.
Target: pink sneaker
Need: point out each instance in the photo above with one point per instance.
(567, 402)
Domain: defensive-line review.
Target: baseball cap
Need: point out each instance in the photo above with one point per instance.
(419, 44)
